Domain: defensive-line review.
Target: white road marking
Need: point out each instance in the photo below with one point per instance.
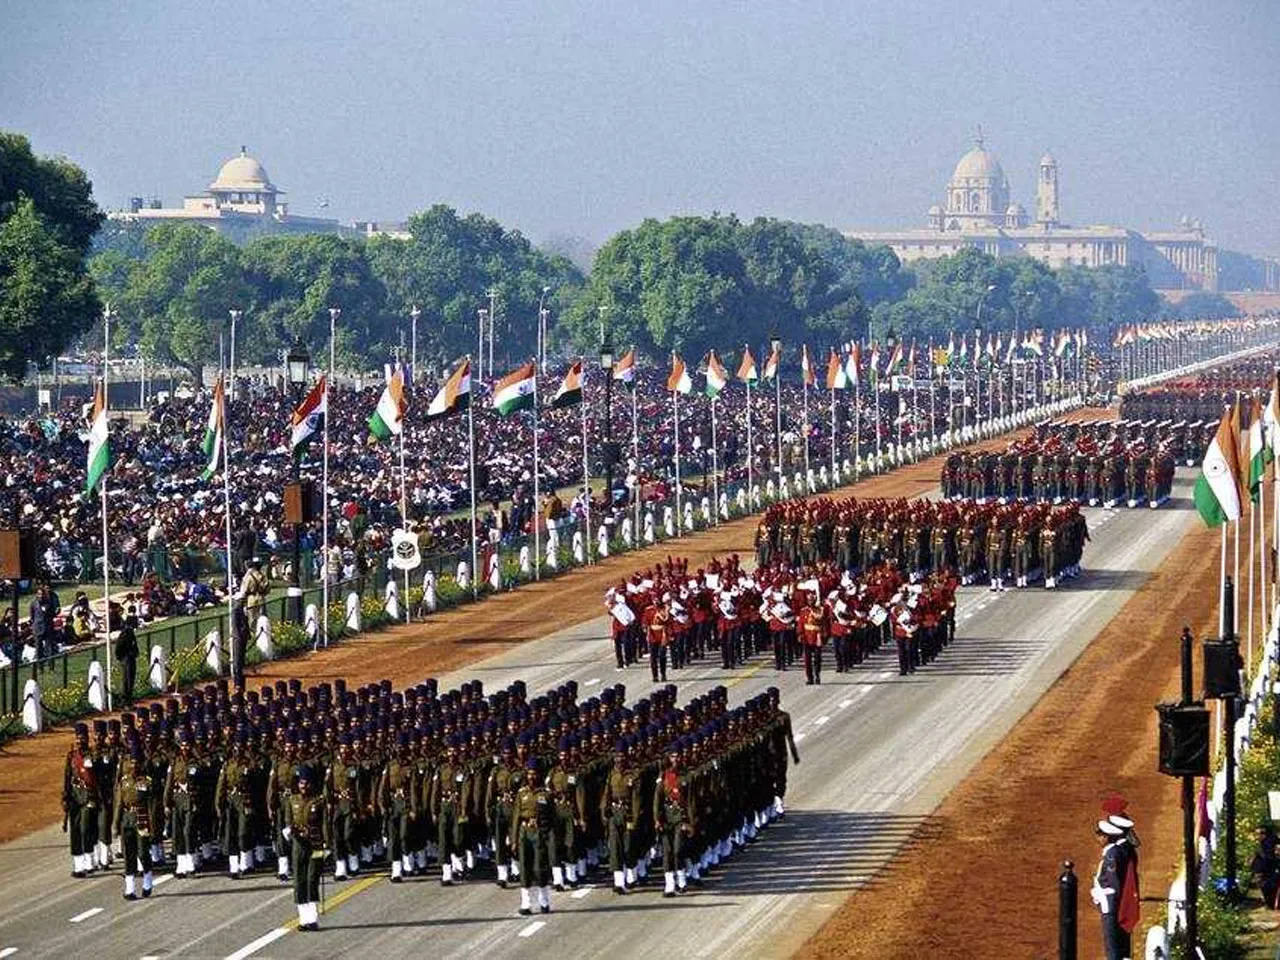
(592, 681)
(8, 952)
(163, 878)
(886, 674)
(579, 894)
(252, 948)
(533, 928)
(845, 704)
(91, 912)
(820, 721)
(151, 956)
(799, 737)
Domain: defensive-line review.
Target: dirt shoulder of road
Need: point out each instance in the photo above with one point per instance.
(983, 884)
(31, 768)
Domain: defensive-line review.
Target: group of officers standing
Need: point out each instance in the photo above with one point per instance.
(544, 790)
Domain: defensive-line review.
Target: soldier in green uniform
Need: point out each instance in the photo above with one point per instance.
(500, 795)
(531, 828)
(133, 808)
(181, 802)
(345, 801)
(399, 806)
(233, 801)
(568, 793)
(673, 820)
(279, 789)
(80, 803)
(448, 803)
(620, 812)
(106, 761)
(307, 828)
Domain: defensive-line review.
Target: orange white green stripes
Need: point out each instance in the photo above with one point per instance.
(99, 442)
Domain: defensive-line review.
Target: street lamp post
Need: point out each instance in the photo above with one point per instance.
(481, 314)
(493, 320)
(298, 364)
(606, 364)
(542, 330)
(414, 314)
(235, 315)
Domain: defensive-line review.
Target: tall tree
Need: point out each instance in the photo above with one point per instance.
(47, 219)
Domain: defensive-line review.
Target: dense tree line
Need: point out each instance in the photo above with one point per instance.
(685, 283)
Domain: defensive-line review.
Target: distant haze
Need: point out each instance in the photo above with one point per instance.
(577, 119)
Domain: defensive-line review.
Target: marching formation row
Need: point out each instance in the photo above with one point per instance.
(543, 789)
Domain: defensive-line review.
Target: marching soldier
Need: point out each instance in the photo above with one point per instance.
(80, 803)
(657, 623)
(133, 808)
(449, 800)
(568, 794)
(500, 797)
(279, 791)
(346, 801)
(399, 807)
(620, 811)
(307, 828)
(812, 636)
(106, 761)
(672, 821)
(531, 828)
(233, 802)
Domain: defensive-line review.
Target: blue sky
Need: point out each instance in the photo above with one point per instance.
(580, 119)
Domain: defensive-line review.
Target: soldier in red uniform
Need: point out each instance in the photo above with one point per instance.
(813, 628)
(658, 629)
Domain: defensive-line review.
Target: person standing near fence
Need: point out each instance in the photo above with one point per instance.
(1115, 883)
(239, 640)
(127, 656)
(44, 608)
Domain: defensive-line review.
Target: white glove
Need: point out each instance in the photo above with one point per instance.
(287, 833)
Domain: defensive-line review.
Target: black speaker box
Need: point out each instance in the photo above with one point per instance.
(1184, 739)
(1221, 669)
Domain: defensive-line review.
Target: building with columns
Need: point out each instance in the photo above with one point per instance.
(978, 213)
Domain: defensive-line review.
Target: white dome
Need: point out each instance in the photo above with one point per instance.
(242, 173)
(979, 164)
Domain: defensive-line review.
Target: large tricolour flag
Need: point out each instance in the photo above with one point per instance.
(771, 365)
(717, 377)
(806, 367)
(837, 379)
(747, 369)
(308, 419)
(570, 391)
(515, 391)
(625, 369)
(1259, 453)
(1217, 491)
(388, 418)
(99, 442)
(215, 432)
(853, 363)
(679, 381)
(454, 396)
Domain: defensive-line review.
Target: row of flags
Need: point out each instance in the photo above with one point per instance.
(1170, 330)
(1235, 462)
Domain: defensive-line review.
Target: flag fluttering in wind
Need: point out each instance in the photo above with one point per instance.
(308, 419)
(806, 367)
(624, 371)
(515, 391)
(1217, 492)
(837, 379)
(717, 378)
(1259, 453)
(852, 363)
(747, 369)
(679, 381)
(454, 396)
(771, 365)
(388, 417)
(99, 442)
(215, 432)
(895, 359)
(570, 390)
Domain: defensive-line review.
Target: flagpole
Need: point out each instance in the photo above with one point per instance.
(404, 500)
(933, 396)
(324, 478)
(915, 407)
(1248, 664)
(102, 492)
(715, 467)
(1235, 580)
(586, 475)
(804, 415)
(751, 451)
(675, 408)
(471, 458)
(857, 423)
(777, 412)
(875, 385)
(226, 509)
(635, 449)
(537, 496)
(834, 472)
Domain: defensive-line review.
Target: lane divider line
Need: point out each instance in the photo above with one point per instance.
(532, 928)
(163, 878)
(8, 952)
(579, 894)
(592, 682)
(845, 704)
(250, 949)
(799, 736)
(820, 721)
(81, 917)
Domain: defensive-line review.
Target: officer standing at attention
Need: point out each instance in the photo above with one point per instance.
(531, 827)
(307, 828)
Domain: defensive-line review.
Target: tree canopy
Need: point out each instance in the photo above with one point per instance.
(47, 220)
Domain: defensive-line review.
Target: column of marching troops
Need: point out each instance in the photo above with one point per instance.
(534, 791)
(1106, 463)
(850, 574)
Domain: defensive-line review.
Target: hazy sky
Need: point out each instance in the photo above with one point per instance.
(577, 118)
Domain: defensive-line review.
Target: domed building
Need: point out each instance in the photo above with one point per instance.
(977, 212)
(241, 202)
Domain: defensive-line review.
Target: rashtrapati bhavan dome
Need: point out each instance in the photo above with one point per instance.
(979, 213)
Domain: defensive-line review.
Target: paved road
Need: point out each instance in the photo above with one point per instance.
(879, 753)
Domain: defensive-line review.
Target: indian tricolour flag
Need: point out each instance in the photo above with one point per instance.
(99, 442)
(515, 391)
(679, 381)
(1217, 491)
(1259, 453)
(806, 367)
(214, 432)
(852, 364)
(388, 418)
(624, 370)
(454, 395)
(717, 377)
(771, 365)
(747, 369)
(1271, 416)
(308, 419)
(837, 379)
(570, 391)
